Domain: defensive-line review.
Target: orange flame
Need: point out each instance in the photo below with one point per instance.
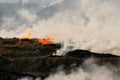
(45, 41)
(28, 34)
(49, 39)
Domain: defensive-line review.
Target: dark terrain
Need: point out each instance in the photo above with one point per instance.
(27, 57)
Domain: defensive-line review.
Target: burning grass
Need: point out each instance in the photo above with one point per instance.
(15, 47)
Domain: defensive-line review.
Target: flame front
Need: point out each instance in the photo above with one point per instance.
(45, 41)
(49, 39)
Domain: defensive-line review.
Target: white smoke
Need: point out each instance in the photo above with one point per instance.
(88, 71)
(91, 24)
(26, 78)
(29, 78)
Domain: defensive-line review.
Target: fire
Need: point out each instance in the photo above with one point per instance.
(45, 41)
(28, 34)
(49, 39)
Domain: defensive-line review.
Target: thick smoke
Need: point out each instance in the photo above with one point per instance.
(90, 70)
(89, 24)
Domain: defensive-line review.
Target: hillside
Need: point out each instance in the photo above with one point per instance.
(27, 57)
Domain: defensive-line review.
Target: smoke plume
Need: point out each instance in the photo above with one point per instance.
(89, 24)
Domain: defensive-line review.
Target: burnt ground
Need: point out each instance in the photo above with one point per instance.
(29, 58)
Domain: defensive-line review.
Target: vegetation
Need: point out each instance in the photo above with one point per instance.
(14, 47)
(29, 58)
